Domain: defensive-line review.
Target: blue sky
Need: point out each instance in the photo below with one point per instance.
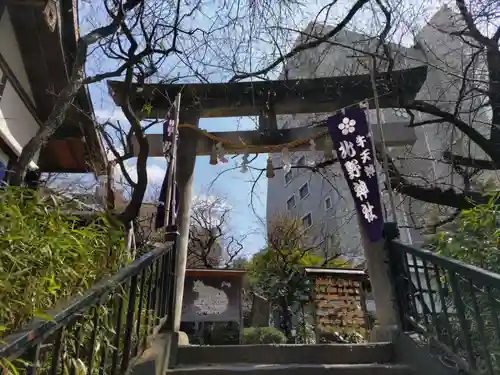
(235, 187)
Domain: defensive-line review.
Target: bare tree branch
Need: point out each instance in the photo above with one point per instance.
(302, 47)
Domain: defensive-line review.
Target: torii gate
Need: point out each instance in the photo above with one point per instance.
(267, 99)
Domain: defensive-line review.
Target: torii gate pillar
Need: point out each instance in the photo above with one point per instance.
(383, 289)
(186, 159)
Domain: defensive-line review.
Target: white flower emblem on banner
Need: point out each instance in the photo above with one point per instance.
(347, 126)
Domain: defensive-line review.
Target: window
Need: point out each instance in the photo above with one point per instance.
(301, 161)
(328, 203)
(307, 221)
(290, 203)
(304, 191)
(288, 177)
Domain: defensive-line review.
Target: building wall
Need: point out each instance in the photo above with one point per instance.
(328, 225)
(9, 49)
(447, 58)
(444, 56)
(17, 123)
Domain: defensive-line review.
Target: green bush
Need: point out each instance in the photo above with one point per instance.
(225, 334)
(263, 335)
(47, 255)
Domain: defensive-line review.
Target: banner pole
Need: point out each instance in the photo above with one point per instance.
(383, 150)
(171, 160)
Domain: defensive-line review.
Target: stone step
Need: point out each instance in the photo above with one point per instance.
(285, 354)
(295, 369)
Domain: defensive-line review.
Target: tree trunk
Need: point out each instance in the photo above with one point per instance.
(133, 208)
(286, 320)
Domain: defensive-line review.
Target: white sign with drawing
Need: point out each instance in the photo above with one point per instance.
(210, 300)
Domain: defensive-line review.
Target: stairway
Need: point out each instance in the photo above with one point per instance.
(331, 359)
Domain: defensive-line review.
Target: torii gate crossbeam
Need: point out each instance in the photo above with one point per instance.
(267, 99)
(313, 95)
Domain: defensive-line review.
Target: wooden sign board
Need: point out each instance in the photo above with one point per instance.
(338, 304)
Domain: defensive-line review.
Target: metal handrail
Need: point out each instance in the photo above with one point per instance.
(36, 331)
(461, 317)
(464, 269)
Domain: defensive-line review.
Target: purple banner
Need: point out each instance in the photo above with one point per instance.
(352, 140)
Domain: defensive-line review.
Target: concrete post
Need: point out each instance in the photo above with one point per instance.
(377, 259)
(186, 158)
